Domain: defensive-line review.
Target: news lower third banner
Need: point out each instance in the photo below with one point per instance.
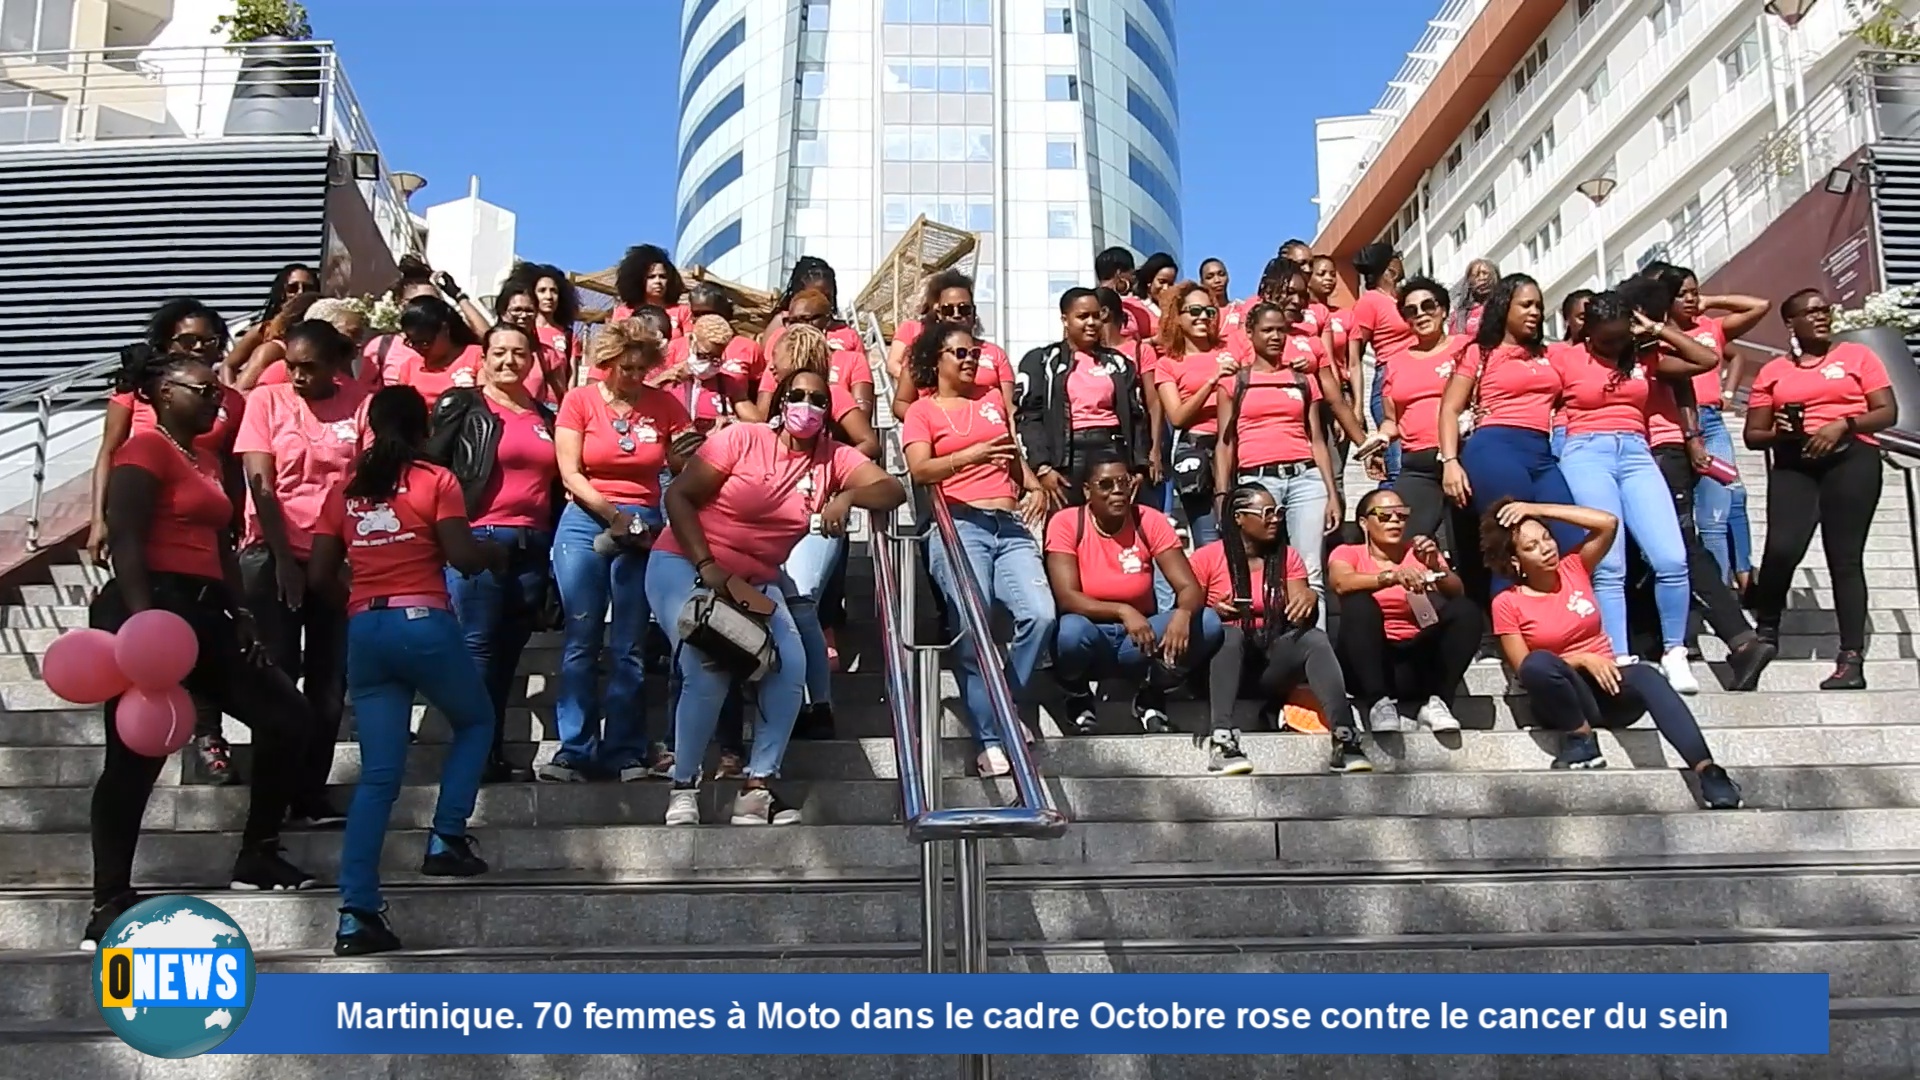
(1033, 1014)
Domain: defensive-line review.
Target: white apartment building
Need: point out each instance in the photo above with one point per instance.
(1670, 109)
(1049, 127)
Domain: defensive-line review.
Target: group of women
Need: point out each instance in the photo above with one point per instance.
(384, 520)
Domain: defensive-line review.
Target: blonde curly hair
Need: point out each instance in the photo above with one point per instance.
(621, 336)
(802, 348)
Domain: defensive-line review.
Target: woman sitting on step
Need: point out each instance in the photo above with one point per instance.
(1269, 645)
(1551, 636)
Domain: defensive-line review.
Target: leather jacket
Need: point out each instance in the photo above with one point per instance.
(465, 439)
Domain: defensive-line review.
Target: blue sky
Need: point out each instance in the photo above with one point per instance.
(565, 110)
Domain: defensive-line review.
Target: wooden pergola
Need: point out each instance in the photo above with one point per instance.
(752, 307)
(927, 248)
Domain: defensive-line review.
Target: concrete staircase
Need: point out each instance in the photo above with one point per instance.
(1463, 854)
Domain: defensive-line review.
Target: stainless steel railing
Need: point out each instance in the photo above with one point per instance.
(45, 399)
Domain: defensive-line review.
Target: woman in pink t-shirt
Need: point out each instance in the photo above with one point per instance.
(646, 277)
(558, 304)
(1815, 414)
(1410, 396)
(959, 441)
(1077, 396)
(1192, 365)
(442, 350)
(297, 440)
(1551, 637)
(548, 374)
(736, 513)
(1482, 276)
(1152, 285)
(706, 369)
(498, 440)
(1375, 322)
(848, 370)
(1214, 279)
(948, 299)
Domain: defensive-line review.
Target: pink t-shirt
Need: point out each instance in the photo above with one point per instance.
(464, 371)
(624, 467)
(1468, 324)
(1376, 318)
(1272, 427)
(190, 508)
(993, 369)
(1210, 569)
(767, 495)
(520, 489)
(1706, 385)
(949, 426)
(1338, 323)
(1517, 389)
(1833, 387)
(556, 339)
(849, 359)
(219, 437)
(1117, 569)
(1597, 397)
(1564, 623)
(679, 317)
(391, 546)
(544, 360)
(1140, 323)
(313, 444)
(741, 359)
(378, 372)
(1090, 392)
(1394, 608)
(1191, 372)
(1415, 385)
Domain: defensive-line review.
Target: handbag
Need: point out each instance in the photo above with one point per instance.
(733, 640)
(1192, 462)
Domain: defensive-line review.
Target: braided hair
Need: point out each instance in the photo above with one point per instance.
(142, 367)
(1240, 572)
(806, 349)
(811, 272)
(397, 426)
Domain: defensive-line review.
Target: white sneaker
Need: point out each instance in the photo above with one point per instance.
(993, 762)
(1435, 716)
(683, 807)
(1678, 672)
(632, 773)
(759, 806)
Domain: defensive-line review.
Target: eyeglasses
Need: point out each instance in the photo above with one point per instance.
(808, 397)
(1389, 514)
(1429, 306)
(1201, 311)
(1111, 485)
(811, 320)
(194, 343)
(957, 312)
(296, 286)
(965, 353)
(203, 391)
(1264, 513)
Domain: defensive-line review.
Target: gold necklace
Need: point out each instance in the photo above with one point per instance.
(948, 413)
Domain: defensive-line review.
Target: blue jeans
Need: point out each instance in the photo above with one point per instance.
(1504, 462)
(808, 568)
(590, 583)
(1557, 441)
(1004, 560)
(497, 612)
(1377, 405)
(1085, 650)
(1616, 473)
(392, 654)
(1720, 510)
(671, 582)
(1303, 500)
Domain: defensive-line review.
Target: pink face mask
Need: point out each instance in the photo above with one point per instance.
(803, 419)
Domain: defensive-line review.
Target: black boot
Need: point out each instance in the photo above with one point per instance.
(1849, 672)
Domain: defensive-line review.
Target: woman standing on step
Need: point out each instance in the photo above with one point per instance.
(1552, 639)
(1269, 643)
(398, 523)
(1077, 397)
(1410, 399)
(949, 299)
(735, 514)
(1815, 414)
(959, 441)
(297, 440)
(646, 277)
(169, 517)
(1192, 363)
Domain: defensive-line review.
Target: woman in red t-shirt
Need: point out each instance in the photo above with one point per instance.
(549, 375)
(1269, 645)
(1410, 396)
(1077, 396)
(397, 524)
(257, 353)
(959, 441)
(1407, 630)
(646, 277)
(442, 350)
(558, 305)
(705, 369)
(1151, 286)
(1816, 414)
(1551, 637)
(169, 522)
(1482, 276)
(1193, 369)
(848, 370)
(1214, 279)
(948, 299)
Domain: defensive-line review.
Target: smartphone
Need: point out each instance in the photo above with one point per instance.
(1796, 414)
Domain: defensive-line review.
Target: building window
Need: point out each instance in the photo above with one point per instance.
(980, 213)
(1062, 154)
(1063, 87)
(1454, 157)
(1542, 242)
(810, 152)
(936, 142)
(36, 25)
(1458, 235)
(1482, 126)
(1144, 110)
(1060, 283)
(1145, 237)
(1684, 218)
(1488, 206)
(1059, 20)
(1530, 67)
(700, 13)
(716, 245)
(938, 12)
(1063, 221)
(730, 39)
(1155, 184)
(1156, 61)
(1676, 118)
(1666, 15)
(723, 110)
(712, 184)
(1586, 7)
(1596, 89)
(813, 84)
(894, 215)
(1742, 60)
(1535, 155)
(27, 116)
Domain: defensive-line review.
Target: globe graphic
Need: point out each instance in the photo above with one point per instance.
(175, 922)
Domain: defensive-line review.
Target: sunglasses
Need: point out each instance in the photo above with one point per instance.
(967, 353)
(624, 427)
(1389, 515)
(957, 312)
(808, 397)
(1111, 485)
(194, 343)
(296, 286)
(203, 391)
(1264, 513)
(1429, 306)
(1201, 311)
(821, 319)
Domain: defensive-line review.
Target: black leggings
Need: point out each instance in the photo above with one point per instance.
(1429, 664)
(262, 698)
(1711, 593)
(1418, 485)
(310, 644)
(1296, 654)
(1567, 700)
(1838, 494)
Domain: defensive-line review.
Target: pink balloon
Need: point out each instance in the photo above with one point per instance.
(80, 667)
(155, 723)
(155, 649)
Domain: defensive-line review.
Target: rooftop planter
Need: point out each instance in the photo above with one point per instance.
(277, 91)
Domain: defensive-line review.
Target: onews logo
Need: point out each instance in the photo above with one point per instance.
(174, 976)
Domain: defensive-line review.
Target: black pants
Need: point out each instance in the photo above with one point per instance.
(1711, 593)
(1428, 511)
(308, 644)
(263, 698)
(1838, 494)
(1296, 654)
(1566, 700)
(1429, 664)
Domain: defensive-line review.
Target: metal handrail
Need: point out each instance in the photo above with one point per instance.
(48, 398)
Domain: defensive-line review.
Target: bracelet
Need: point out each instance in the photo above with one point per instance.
(703, 564)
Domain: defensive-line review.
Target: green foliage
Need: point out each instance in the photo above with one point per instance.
(253, 20)
(1883, 25)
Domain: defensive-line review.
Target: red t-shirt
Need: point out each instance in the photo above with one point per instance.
(624, 467)
(1210, 569)
(1517, 389)
(1272, 426)
(1395, 609)
(464, 371)
(313, 444)
(1706, 385)
(219, 437)
(1415, 386)
(679, 317)
(520, 489)
(1338, 323)
(1563, 623)
(741, 359)
(949, 426)
(1139, 322)
(554, 338)
(377, 372)
(767, 495)
(1596, 397)
(1833, 388)
(1376, 318)
(1191, 372)
(190, 510)
(994, 368)
(391, 546)
(1090, 391)
(544, 359)
(1467, 323)
(1117, 569)
(841, 340)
